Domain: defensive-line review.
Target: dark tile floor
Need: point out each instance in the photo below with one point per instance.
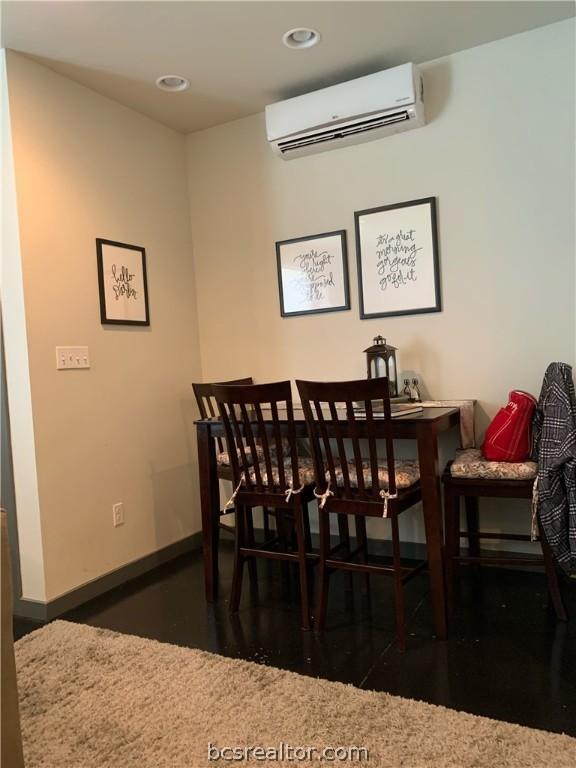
(506, 657)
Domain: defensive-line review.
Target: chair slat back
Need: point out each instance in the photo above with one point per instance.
(207, 404)
(334, 419)
(260, 435)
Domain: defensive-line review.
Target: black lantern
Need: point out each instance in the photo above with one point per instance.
(381, 361)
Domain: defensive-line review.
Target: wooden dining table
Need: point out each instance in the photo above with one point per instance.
(424, 427)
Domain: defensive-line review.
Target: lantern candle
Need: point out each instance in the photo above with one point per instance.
(381, 362)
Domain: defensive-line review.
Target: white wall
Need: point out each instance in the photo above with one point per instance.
(87, 167)
(17, 369)
(498, 153)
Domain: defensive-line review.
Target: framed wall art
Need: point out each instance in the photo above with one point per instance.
(122, 283)
(313, 274)
(397, 253)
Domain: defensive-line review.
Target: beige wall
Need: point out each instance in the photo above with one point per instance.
(498, 153)
(87, 167)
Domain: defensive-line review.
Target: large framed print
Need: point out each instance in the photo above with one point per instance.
(313, 274)
(397, 253)
(122, 283)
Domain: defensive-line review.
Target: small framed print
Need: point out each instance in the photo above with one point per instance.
(313, 274)
(122, 283)
(397, 253)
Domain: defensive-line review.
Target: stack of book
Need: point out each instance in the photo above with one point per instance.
(396, 409)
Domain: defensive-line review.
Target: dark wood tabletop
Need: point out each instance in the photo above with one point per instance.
(428, 415)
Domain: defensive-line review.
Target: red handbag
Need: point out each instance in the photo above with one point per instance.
(509, 434)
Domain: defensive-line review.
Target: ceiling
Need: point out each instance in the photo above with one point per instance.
(232, 51)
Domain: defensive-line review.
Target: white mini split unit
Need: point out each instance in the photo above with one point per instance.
(366, 108)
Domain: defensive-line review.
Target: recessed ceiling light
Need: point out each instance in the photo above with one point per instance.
(301, 37)
(172, 83)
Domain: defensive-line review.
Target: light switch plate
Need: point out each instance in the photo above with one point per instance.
(72, 357)
(118, 514)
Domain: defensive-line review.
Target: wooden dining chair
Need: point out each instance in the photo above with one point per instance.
(208, 409)
(371, 486)
(261, 441)
(472, 477)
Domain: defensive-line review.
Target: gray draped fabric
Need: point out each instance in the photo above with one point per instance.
(554, 448)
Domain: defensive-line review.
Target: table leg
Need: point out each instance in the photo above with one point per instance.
(432, 506)
(210, 509)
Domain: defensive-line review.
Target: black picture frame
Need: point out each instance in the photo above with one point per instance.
(343, 255)
(436, 306)
(106, 317)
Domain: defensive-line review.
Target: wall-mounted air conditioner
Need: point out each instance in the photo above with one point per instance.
(359, 110)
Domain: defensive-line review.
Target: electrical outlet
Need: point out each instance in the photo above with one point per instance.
(72, 357)
(118, 514)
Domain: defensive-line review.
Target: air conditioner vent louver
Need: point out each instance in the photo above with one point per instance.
(339, 133)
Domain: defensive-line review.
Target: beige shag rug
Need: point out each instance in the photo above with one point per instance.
(91, 698)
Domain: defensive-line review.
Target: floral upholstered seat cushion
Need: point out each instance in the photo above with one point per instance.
(223, 458)
(470, 464)
(406, 472)
(305, 472)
